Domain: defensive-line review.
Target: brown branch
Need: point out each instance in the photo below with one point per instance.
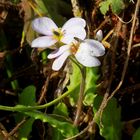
(128, 51)
(107, 19)
(83, 131)
(113, 58)
(106, 96)
(106, 100)
(15, 129)
(44, 90)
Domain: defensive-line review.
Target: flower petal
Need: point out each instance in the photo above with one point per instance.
(59, 51)
(74, 22)
(69, 34)
(58, 62)
(44, 25)
(88, 61)
(95, 47)
(99, 35)
(83, 56)
(42, 42)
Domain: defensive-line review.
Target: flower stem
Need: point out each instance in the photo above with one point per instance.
(81, 96)
(21, 108)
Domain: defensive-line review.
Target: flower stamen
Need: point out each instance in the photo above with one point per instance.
(74, 47)
(57, 34)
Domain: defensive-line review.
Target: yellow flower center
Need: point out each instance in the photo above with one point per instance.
(58, 34)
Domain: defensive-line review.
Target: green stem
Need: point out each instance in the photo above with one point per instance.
(81, 96)
(75, 62)
(21, 108)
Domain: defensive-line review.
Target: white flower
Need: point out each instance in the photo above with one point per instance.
(99, 35)
(85, 52)
(74, 27)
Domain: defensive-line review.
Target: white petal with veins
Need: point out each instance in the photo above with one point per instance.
(95, 47)
(83, 56)
(58, 62)
(42, 42)
(44, 25)
(88, 61)
(73, 22)
(69, 35)
(59, 51)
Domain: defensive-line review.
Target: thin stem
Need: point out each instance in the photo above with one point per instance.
(44, 89)
(34, 8)
(128, 50)
(21, 108)
(7, 137)
(81, 96)
(75, 62)
(107, 98)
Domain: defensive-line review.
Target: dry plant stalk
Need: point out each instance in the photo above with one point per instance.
(77, 12)
(107, 98)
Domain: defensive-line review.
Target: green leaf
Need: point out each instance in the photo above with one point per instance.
(74, 86)
(56, 134)
(89, 99)
(104, 6)
(27, 97)
(25, 129)
(65, 128)
(90, 88)
(136, 135)
(23, 139)
(111, 119)
(61, 109)
(117, 6)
